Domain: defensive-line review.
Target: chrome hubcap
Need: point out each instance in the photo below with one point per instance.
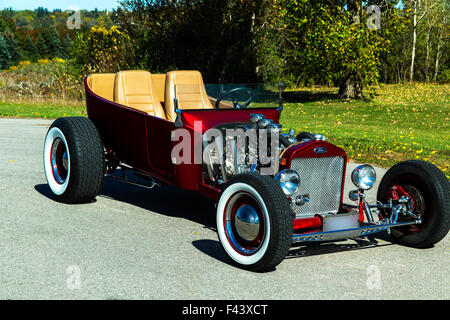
(59, 159)
(247, 222)
(65, 160)
(244, 223)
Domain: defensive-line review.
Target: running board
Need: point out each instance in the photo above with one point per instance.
(348, 233)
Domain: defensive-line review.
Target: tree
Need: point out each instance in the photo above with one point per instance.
(41, 12)
(6, 20)
(420, 10)
(4, 53)
(67, 45)
(323, 43)
(54, 44)
(216, 37)
(102, 50)
(394, 29)
(440, 42)
(30, 49)
(13, 46)
(42, 46)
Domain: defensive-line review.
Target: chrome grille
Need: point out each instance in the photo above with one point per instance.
(321, 178)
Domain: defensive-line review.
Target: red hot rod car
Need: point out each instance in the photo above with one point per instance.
(166, 128)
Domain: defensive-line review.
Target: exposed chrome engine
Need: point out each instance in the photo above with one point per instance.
(241, 147)
(252, 146)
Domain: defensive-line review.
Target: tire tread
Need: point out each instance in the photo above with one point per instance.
(87, 159)
(282, 220)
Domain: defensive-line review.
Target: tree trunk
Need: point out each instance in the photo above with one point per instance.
(438, 49)
(351, 87)
(427, 59)
(413, 50)
(352, 84)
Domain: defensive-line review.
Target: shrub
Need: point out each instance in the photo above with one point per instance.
(43, 80)
(101, 50)
(444, 76)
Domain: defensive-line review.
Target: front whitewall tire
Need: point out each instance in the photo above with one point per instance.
(221, 228)
(254, 222)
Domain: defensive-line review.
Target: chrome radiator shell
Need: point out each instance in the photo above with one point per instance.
(321, 178)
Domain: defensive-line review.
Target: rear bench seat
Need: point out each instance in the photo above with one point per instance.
(153, 94)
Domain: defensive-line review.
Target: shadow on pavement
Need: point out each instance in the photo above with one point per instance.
(175, 202)
(214, 249)
(165, 200)
(44, 189)
(307, 249)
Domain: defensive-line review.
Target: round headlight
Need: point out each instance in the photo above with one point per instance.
(319, 136)
(364, 176)
(289, 181)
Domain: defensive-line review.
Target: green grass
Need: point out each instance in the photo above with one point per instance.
(402, 122)
(44, 110)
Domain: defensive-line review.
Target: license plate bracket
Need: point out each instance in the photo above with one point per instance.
(340, 221)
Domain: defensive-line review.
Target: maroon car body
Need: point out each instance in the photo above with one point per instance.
(133, 135)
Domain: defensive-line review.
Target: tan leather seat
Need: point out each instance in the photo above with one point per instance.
(188, 87)
(135, 90)
(102, 84)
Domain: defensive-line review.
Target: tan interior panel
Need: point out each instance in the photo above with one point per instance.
(102, 84)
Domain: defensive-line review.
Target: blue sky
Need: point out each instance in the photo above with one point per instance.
(59, 4)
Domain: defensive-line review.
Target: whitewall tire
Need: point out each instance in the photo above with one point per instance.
(56, 161)
(254, 222)
(74, 164)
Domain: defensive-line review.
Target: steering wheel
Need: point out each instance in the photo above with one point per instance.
(234, 98)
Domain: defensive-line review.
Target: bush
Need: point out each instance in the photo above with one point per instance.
(444, 76)
(101, 50)
(47, 79)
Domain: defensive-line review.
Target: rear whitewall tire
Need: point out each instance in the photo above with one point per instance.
(52, 135)
(74, 162)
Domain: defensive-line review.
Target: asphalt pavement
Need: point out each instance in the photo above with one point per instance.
(135, 243)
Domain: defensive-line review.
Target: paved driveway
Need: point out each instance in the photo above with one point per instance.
(133, 243)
